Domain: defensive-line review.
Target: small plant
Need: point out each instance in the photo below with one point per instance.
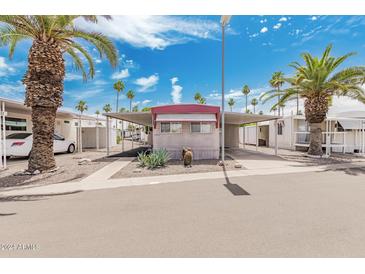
(119, 138)
(157, 158)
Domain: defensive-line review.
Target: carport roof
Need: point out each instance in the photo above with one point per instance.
(233, 118)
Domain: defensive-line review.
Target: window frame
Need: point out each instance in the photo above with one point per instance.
(201, 123)
(170, 128)
(16, 127)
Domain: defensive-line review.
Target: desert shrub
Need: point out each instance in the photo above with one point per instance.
(157, 158)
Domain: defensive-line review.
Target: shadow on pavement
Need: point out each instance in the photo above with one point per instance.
(354, 171)
(6, 214)
(131, 153)
(34, 197)
(235, 189)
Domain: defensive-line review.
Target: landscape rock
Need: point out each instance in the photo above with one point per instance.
(84, 161)
(137, 170)
(238, 165)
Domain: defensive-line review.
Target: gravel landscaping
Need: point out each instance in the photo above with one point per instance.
(69, 169)
(173, 167)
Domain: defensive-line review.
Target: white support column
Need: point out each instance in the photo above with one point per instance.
(107, 136)
(1, 138)
(327, 139)
(4, 135)
(122, 135)
(363, 136)
(244, 137)
(257, 137)
(97, 134)
(276, 136)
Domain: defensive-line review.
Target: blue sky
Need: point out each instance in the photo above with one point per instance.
(166, 59)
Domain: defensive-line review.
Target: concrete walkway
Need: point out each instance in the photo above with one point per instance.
(101, 178)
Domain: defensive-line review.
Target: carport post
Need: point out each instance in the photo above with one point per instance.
(244, 136)
(107, 135)
(122, 135)
(276, 136)
(257, 137)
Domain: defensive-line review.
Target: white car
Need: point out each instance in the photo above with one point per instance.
(20, 144)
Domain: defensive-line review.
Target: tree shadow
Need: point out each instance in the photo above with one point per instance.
(34, 197)
(353, 171)
(235, 189)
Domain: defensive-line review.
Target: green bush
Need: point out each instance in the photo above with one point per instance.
(119, 138)
(157, 158)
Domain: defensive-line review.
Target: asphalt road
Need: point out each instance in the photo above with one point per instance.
(294, 215)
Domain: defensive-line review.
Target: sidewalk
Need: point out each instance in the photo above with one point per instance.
(100, 179)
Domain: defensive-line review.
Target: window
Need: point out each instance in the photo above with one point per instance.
(18, 135)
(197, 127)
(66, 122)
(15, 124)
(280, 129)
(171, 127)
(58, 137)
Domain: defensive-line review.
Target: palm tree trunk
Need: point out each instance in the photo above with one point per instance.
(316, 109)
(130, 106)
(41, 156)
(246, 103)
(44, 87)
(117, 110)
(278, 102)
(297, 103)
(254, 109)
(315, 139)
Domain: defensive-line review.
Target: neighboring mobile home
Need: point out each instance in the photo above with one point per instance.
(344, 133)
(18, 119)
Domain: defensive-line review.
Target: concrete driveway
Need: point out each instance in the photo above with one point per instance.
(313, 214)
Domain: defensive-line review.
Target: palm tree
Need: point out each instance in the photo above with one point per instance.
(81, 107)
(145, 109)
(246, 90)
(130, 96)
(317, 83)
(254, 103)
(119, 87)
(107, 108)
(123, 109)
(53, 37)
(199, 99)
(231, 103)
(276, 81)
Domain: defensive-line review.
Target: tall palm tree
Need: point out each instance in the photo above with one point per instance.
(81, 107)
(107, 108)
(231, 103)
(246, 90)
(318, 81)
(119, 87)
(53, 37)
(254, 103)
(130, 96)
(276, 82)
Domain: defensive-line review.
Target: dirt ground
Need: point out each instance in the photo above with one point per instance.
(173, 167)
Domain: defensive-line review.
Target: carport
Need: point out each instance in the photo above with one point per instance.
(233, 122)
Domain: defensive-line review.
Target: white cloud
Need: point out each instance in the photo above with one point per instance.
(98, 61)
(145, 102)
(277, 26)
(146, 83)
(264, 29)
(343, 104)
(254, 35)
(124, 73)
(73, 76)
(263, 20)
(176, 92)
(155, 32)
(5, 69)
(314, 18)
(85, 94)
(283, 19)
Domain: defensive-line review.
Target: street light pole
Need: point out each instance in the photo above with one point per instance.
(224, 21)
